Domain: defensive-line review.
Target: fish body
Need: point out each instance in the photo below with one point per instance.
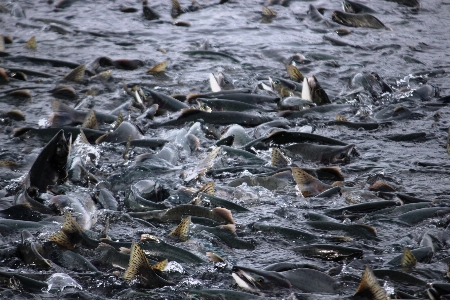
(358, 20)
(322, 153)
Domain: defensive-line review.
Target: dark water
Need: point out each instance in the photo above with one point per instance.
(409, 57)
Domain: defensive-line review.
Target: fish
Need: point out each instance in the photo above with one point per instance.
(222, 294)
(329, 252)
(140, 269)
(316, 16)
(369, 287)
(209, 53)
(218, 118)
(358, 20)
(148, 12)
(76, 75)
(304, 279)
(203, 166)
(322, 153)
(285, 88)
(49, 167)
(356, 7)
(182, 230)
(294, 103)
(220, 82)
(165, 101)
(308, 185)
(121, 134)
(217, 214)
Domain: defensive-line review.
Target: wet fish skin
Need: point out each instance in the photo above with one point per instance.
(329, 252)
(356, 7)
(358, 20)
(321, 153)
(50, 165)
(221, 294)
(284, 231)
(165, 101)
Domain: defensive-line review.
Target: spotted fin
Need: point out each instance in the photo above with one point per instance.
(176, 9)
(161, 266)
(267, 12)
(278, 160)
(369, 287)
(82, 137)
(208, 188)
(91, 121)
(119, 121)
(161, 67)
(408, 260)
(224, 213)
(62, 239)
(31, 44)
(70, 225)
(182, 230)
(294, 73)
(308, 185)
(76, 74)
(138, 260)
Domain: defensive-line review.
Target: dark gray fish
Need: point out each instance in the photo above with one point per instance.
(121, 134)
(410, 3)
(304, 279)
(329, 252)
(165, 101)
(227, 105)
(357, 20)
(356, 7)
(323, 153)
(50, 165)
(289, 233)
(209, 53)
(287, 137)
(218, 118)
(316, 16)
(222, 294)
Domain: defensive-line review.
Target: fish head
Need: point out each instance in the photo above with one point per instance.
(338, 155)
(255, 280)
(347, 7)
(224, 81)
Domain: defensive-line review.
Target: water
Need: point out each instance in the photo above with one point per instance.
(412, 54)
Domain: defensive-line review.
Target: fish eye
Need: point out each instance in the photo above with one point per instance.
(260, 279)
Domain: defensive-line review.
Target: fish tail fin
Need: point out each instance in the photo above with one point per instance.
(62, 239)
(369, 286)
(408, 259)
(278, 160)
(138, 261)
(70, 225)
(294, 73)
(182, 230)
(308, 184)
(161, 67)
(90, 121)
(224, 213)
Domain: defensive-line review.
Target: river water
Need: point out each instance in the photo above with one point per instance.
(411, 55)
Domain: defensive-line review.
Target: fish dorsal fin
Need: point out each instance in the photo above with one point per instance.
(308, 184)
(70, 225)
(161, 266)
(208, 188)
(82, 138)
(267, 12)
(182, 230)
(229, 227)
(224, 213)
(196, 201)
(138, 261)
(158, 68)
(176, 9)
(408, 259)
(62, 239)
(90, 121)
(31, 44)
(278, 160)
(76, 74)
(369, 287)
(306, 91)
(294, 73)
(119, 121)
